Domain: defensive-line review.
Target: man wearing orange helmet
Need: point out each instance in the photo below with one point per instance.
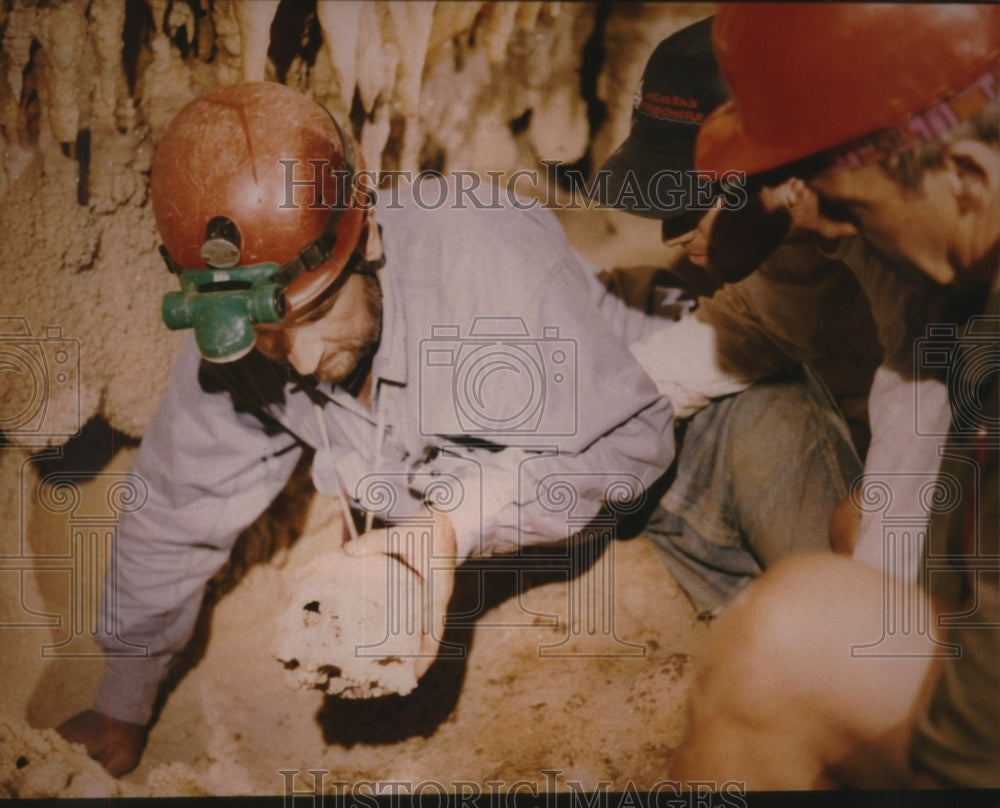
(778, 282)
(814, 678)
(447, 346)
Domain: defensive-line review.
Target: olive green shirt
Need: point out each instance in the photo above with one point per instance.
(958, 738)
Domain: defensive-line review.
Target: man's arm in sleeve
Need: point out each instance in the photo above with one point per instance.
(608, 437)
(787, 310)
(210, 471)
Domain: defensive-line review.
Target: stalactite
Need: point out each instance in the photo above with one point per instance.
(107, 21)
(180, 16)
(374, 137)
(451, 20)
(63, 34)
(377, 59)
(229, 64)
(205, 33)
(19, 22)
(165, 79)
(559, 127)
(18, 35)
(412, 30)
(339, 23)
(160, 10)
(527, 15)
(499, 20)
(254, 20)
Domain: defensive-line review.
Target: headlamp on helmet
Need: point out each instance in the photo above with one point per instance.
(223, 306)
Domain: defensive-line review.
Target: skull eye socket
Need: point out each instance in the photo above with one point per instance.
(312, 606)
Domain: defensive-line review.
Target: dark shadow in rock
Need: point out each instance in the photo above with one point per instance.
(86, 454)
(391, 719)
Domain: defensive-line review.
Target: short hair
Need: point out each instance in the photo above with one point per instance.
(907, 168)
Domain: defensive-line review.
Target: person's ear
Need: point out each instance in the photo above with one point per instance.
(974, 168)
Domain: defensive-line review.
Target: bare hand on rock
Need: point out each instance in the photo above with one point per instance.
(116, 745)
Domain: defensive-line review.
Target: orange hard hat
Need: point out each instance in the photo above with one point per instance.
(808, 77)
(257, 172)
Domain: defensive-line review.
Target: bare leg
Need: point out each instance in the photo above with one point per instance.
(781, 703)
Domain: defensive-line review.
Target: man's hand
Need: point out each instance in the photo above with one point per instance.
(116, 745)
(434, 563)
(808, 223)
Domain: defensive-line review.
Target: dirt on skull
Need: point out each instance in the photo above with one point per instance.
(352, 627)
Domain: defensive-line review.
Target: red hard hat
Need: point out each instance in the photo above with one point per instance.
(275, 165)
(807, 77)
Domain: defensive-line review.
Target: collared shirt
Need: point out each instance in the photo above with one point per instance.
(499, 387)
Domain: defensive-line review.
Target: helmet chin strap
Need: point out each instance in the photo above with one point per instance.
(364, 263)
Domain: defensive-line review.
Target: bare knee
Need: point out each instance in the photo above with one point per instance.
(749, 712)
(782, 674)
(756, 645)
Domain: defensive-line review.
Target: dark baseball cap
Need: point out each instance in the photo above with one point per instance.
(652, 173)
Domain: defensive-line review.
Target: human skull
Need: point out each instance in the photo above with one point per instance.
(353, 627)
